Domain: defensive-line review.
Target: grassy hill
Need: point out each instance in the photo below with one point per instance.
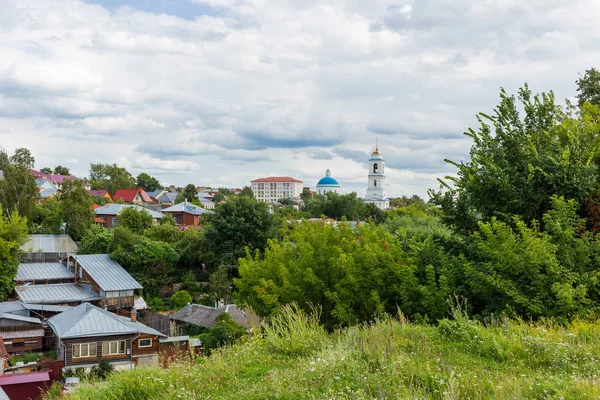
(388, 359)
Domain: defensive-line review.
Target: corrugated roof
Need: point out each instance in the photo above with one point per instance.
(42, 271)
(115, 209)
(49, 244)
(87, 320)
(30, 377)
(45, 193)
(107, 273)
(46, 307)
(11, 306)
(188, 208)
(206, 316)
(14, 317)
(277, 179)
(53, 294)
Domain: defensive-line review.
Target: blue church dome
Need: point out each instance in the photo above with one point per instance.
(327, 181)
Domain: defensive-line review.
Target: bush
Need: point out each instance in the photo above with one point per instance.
(180, 299)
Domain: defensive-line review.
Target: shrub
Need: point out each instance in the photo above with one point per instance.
(180, 299)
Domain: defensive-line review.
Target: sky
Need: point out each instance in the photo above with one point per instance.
(220, 92)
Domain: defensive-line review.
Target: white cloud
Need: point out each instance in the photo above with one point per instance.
(252, 88)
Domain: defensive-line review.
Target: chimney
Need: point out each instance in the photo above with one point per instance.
(189, 309)
(133, 315)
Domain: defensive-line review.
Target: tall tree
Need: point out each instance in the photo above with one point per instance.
(148, 183)
(60, 170)
(77, 208)
(46, 170)
(221, 195)
(136, 221)
(18, 189)
(588, 87)
(238, 223)
(247, 191)
(13, 233)
(111, 177)
(189, 192)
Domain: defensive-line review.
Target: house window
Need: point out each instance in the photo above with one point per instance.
(145, 343)
(115, 221)
(117, 347)
(375, 167)
(84, 350)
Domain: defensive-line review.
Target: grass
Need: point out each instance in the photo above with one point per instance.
(387, 359)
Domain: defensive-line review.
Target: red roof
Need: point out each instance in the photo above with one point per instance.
(277, 179)
(43, 376)
(128, 195)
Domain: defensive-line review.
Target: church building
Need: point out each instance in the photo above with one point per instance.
(328, 184)
(376, 185)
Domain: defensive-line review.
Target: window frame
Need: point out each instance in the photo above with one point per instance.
(109, 345)
(89, 353)
(140, 342)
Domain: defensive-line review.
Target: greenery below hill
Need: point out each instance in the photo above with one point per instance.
(387, 359)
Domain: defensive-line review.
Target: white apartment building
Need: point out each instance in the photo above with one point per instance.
(275, 188)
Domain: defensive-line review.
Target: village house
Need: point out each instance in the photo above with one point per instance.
(19, 331)
(57, 180)
(101, 193)
(86, 334)
(108, 215)
(46, 248)
(206, 316)
(46, 190)
(134, 196)
(186, 214)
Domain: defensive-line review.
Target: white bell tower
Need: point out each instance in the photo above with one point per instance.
(375, 188)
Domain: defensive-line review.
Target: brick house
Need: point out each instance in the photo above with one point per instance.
(108, 215)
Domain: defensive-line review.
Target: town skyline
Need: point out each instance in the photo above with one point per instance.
(220, 92)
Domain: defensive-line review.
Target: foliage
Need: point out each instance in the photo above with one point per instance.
(387, 359)
(76, 208)
(588, 87)
(222, 195)
(111, 177)
(188, 283)
(134, 219)
(148, 183)
(47, 217)
(238, 223)
(13, 233)
(220, 285)
(102, 370)
(97, 240)
(180, 299)
(150, 262)
(26, 357)
(518, 162)
(226, 332)
(336, 206)
(60, 170)
(46, 170)
(354, 275)
(18, 189)
(247, 191)
(189, 193)
(193, 249)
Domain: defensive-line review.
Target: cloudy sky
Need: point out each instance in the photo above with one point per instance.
(219, 92)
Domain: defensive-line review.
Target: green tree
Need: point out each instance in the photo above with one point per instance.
(189, 192)
(238, 223)
(136, 220)
(247, 191)
(220, 285)
(337, 206)
(221, 195)
(77, 208)
(97, 240)
(111, 177)
(46, 170)
(18, 189)
(60, 170)
(148, 183)
(225, 332)
(588, 87)
(47, 217)
(180, 299)
(13, 233)
(517, 163)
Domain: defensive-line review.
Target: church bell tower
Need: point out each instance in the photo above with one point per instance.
(376, 178)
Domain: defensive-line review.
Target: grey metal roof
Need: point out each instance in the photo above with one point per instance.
(21, 318)
(11, 306)
(206, 316)
(87, 320)
(41, 271)
(49, 244)
(46, 307)
(115, 209)
(188, 208)
(45, 193)
(53, 294)
(107, 273)
(155, 193)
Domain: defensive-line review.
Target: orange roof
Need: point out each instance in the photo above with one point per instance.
(96, 206)
(277, 179)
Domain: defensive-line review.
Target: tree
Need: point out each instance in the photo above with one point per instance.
(136, 220)
(337, 206)
(18, 189)
(60, 170)
(46, 170)
(238, 223)
(247, 191)
(77, 208)
(189, 193)
(13, 234)
(148, 183)
(111, 177)
(220, 285)
(47, 217)
(97, 240)
(517, 163)
(588, 87)
(180, 299)
(221, 195)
